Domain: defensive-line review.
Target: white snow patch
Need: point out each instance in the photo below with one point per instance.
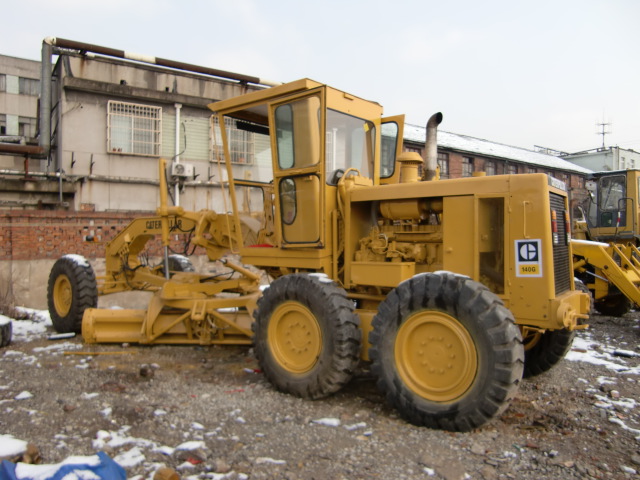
(269, 460)
(130, 458)
(322, 277)
(58, 347)
(10, 446)
(197, 426)
(355, 426)
(4, 320)
(89, 396)
(193, 445)
(23, 395)
(329, 422)
(77, 259)
(165, 450)
(583, 351)
(118, 439)
(159, 412)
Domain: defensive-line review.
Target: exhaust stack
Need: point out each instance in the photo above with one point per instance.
(431, 148)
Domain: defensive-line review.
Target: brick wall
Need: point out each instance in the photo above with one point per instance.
(47, 235)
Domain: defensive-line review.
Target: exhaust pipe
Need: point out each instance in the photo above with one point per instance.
(430, 164)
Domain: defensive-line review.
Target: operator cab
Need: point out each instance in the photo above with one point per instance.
(284, 186)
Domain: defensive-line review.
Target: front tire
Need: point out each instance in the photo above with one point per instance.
(306, 336)
(71, 290)
(446, 352)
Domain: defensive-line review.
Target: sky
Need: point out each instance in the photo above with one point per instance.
(522, 73)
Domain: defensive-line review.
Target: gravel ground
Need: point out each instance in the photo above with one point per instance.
(208, 413)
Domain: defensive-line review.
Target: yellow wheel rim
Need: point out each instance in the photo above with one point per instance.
(294, 337)
(435, 356)
(62, 295)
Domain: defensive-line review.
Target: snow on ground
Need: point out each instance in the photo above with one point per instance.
(38, 323)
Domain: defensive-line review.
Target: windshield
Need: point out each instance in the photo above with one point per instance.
(349, 143)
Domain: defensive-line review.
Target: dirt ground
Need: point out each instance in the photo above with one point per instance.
(208, 413)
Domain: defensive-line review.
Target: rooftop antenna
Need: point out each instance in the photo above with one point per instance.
(602, 130)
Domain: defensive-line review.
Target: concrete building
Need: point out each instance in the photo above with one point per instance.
(19, 92)
(605, 159)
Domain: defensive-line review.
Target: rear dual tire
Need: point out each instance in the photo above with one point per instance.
(446, 352)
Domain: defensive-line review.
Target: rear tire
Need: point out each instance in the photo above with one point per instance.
(613, 305)
(446, 352)
(544, 350)
(306, 336)
(71, 290)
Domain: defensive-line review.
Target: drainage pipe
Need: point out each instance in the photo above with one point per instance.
(45, 98)
(177, 157)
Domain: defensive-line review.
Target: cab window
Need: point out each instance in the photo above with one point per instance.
(349, 144)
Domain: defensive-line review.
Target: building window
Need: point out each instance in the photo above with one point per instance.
(28, 86)
(467, 166)
(532, 170)
(566, 178)
(27, 126)
(3, 82)
(3, 124)
(512, 169)
(134, 129)
(490, 167)
(443, 163)
(241, 142)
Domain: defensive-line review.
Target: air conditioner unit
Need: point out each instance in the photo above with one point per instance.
(181, 170)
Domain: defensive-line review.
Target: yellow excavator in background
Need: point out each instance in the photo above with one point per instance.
(606, 240)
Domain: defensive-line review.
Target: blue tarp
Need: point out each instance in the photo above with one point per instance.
(105, 468)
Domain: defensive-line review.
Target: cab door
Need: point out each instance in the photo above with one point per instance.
(391, 135)
(298, 146)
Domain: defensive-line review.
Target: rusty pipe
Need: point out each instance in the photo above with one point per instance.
(163, 62)
(431, 147)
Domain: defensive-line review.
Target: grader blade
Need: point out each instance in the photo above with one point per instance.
(167, 320)
(112, 326)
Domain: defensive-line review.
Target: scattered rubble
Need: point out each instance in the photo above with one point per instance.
(170, 413)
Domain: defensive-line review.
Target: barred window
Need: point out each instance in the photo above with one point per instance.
(134, 129)
(3, 82)
(512, 169)
(27, 126)
(241, 138)
(532, 170)
(443, 163)
(490, 167)
(28, 86)
(3, 124)
(467, 166)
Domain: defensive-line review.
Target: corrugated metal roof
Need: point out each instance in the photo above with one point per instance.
(464, 143)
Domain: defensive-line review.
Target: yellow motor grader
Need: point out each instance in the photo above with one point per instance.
(436, 283)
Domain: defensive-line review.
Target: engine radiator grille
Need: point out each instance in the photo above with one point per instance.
(561, 261)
